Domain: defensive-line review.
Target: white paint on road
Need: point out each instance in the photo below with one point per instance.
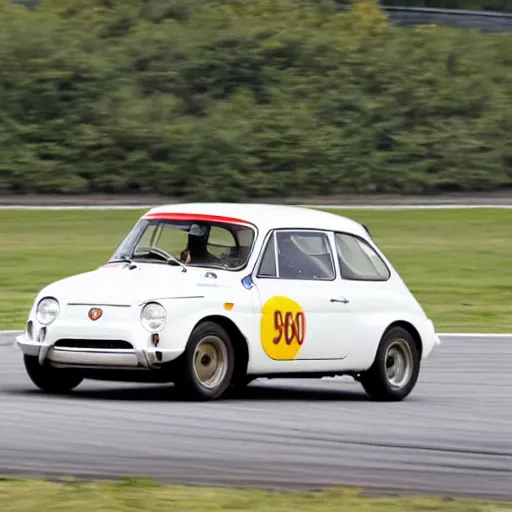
(354, 206)
(78, 207)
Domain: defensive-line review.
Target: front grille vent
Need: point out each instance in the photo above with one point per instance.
(98, 344)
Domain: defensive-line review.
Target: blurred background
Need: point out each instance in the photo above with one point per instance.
(247, 99)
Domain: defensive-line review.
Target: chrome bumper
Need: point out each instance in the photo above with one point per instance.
(147, 358)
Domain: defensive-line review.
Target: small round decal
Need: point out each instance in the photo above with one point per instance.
(95, 314)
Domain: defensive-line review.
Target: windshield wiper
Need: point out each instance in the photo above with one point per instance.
(122, 257)
(163, 254)
(177, 261)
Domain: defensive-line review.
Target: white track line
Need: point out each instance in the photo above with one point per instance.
(473, 335)
(411, 206)
(323, 206)
(78, 207)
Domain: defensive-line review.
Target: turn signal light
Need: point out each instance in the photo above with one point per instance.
(30, 329)
(42, 334)
(155, 339)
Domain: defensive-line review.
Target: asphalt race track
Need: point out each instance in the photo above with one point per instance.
(452, 436)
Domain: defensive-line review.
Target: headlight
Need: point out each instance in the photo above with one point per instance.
(47, 311)
(153, 317)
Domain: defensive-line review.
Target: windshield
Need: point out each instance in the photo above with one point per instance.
(192, 243)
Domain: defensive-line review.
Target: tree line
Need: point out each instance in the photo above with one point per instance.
(238, 99)
(478, 5)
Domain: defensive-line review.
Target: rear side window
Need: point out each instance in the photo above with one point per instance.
(358, 260)
(221, 242)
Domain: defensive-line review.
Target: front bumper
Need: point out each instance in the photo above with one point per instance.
(100, 358)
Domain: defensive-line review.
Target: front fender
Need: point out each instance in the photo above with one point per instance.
(185, 314)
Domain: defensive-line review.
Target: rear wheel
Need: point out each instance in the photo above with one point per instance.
(49, 379)
(207, 365)
(395, 370)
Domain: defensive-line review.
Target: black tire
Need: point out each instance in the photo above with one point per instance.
(242, 380)
(49, 379)
(208, 344)
(396, 344)
(238, 386)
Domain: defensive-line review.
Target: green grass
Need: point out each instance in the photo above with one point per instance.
(131, 496)
(456, 262)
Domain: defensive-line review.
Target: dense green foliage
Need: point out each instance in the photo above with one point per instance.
(477, 5)
(232, 99)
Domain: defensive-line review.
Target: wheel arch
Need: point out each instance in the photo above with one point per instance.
(240, 343)
(411, 330)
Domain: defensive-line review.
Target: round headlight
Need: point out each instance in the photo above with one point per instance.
(153, 317)
(47, 311)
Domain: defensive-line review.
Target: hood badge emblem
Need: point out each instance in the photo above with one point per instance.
(95, 313)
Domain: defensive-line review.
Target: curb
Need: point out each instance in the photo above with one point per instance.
(355, 206)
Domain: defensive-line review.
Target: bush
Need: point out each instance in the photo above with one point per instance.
(238, 99)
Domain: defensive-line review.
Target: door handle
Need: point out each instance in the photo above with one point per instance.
(341, 299)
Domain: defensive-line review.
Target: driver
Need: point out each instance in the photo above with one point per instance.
(196, 250)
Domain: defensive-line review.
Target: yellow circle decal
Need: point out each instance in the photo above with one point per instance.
(283, 328)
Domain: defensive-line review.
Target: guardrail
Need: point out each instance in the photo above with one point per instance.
(412, 16)
(483, 20)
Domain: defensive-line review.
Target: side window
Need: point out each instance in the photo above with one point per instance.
(304, 255)
(358, 261)
(268, 262)
(221, 243)
(147, 236)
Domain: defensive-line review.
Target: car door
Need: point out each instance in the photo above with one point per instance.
(365, 284)
(303, 314)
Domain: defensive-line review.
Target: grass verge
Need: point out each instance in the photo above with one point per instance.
(456, 262)
(130, 496)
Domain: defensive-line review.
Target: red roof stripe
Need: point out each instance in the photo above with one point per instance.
(193, 216)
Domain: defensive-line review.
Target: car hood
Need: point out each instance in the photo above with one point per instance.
(119, 285)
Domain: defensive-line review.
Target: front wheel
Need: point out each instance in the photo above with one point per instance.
(207, 366)
(395, 370)
(49, 379)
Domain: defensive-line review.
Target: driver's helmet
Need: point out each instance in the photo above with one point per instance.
(199, 231)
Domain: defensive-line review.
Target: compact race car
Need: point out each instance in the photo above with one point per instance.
(212, 296)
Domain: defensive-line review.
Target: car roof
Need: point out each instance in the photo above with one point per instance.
(263, 216)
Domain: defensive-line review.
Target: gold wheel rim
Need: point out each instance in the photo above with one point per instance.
(210, 361)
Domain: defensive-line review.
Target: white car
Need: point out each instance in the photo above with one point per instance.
(212, 296)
